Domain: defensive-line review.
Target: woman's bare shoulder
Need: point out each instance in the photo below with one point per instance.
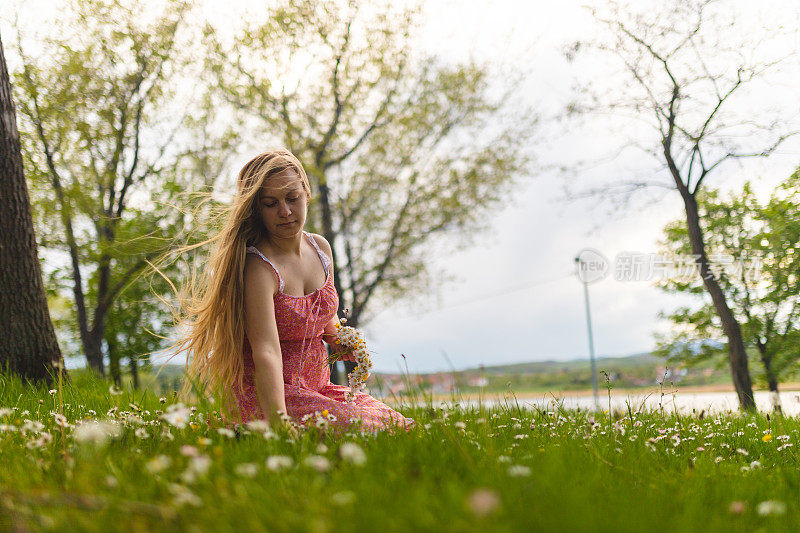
(260, 327)
(323, 244)
(259, 276)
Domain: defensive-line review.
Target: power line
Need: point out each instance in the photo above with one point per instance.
(495, 294)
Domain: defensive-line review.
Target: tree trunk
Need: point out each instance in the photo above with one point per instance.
(28, 345)
(93, 346)
(334, 368)
(349, 366)
(330, 236)
(772, 378)
(737, 356)
(113, 361)
(134, 360)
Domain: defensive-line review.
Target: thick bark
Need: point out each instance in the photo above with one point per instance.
(737, 356)
(28, 345)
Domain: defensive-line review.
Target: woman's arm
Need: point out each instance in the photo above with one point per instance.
(329, 334)
(260, 285)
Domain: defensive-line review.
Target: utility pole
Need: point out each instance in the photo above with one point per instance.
(591, 266)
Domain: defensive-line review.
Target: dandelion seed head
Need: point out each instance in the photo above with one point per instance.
(317, 462)
(483, 502)
(258, 426)
(279, 462)
(225, 432)
(184, 496)
(519, 471)
(352, 453)
(771, 507)
(157, 464)
(176, 415)
(246, 469)
(96, 433)
(60, 420)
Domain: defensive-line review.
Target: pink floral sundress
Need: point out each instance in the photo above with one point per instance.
(306, 375)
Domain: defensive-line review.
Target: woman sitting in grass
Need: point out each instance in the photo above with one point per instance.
(265, 304)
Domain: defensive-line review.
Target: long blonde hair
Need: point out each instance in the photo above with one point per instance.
(211, 303)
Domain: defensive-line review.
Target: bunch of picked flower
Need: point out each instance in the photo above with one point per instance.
(352, 339)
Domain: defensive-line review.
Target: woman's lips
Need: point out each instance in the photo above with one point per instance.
(286, 224)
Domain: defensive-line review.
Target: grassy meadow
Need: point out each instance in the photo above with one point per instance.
(87, 457)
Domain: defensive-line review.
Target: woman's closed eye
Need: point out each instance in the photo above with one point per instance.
(273, 204)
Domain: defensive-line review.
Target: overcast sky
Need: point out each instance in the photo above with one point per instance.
(515, 297)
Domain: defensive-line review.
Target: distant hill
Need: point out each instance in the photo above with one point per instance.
(548, 367)
(637, 370)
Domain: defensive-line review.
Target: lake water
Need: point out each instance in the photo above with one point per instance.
(683, 402)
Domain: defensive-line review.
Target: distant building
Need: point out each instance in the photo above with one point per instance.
(478, 382)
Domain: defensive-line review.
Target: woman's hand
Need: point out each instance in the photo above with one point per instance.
(338, 352)
(284, 426)
(290, 430)
(347, 355)
(330, 339)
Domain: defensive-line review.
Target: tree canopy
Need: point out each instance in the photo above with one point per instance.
(402, 147)
(100, 127)
(753, 249)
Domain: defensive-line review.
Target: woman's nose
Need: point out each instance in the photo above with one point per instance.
(284, 210)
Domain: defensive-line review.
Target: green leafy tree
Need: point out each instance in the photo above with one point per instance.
(138, 323)
(107, 155)
(405, 151)
(676, 74)
(753, 252)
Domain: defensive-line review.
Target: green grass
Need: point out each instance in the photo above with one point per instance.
(623, 472)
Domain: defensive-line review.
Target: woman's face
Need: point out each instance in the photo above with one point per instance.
(283, 203)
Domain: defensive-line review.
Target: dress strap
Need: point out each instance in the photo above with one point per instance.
(254, 250)
(322, 257)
